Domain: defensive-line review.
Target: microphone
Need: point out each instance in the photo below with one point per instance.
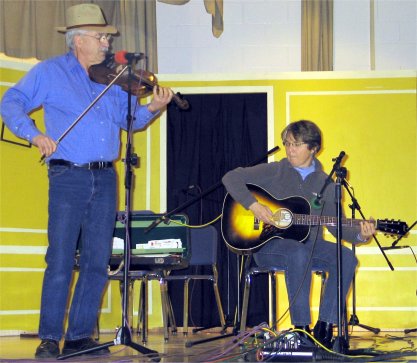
(338, 160)
(123, 57)
(316, 203)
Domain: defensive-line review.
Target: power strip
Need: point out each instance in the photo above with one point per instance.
(288, 355)
(292, 347)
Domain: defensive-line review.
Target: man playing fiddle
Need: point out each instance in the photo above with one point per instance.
(82, 180)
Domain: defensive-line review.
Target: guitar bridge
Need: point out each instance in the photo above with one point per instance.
(256, 224)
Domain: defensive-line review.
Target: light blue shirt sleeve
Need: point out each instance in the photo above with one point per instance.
(20, 100)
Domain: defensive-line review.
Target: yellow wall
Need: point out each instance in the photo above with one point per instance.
(371, 116)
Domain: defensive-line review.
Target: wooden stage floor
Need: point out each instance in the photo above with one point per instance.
(384, 347)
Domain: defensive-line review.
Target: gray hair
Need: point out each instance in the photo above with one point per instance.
(69, 36)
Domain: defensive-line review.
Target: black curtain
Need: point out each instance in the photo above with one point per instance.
(218, 133)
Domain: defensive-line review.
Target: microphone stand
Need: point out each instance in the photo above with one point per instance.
(340, 345)
(124, 335)
(354, 320)
(341, 342)
(395, 247)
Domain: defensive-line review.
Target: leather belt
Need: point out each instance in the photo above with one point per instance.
(89, 166)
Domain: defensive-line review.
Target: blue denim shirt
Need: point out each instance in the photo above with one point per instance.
(62, 87)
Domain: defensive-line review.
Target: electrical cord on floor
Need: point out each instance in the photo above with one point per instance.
(262, 344)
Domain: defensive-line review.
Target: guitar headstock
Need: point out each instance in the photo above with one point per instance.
(391, 227)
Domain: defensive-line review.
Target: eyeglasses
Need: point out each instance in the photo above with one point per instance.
(100, 37)
(293, 144)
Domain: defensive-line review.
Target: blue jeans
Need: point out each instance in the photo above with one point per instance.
(82, 203)
(293, 257)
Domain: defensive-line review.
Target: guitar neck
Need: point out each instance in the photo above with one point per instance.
(311, 220)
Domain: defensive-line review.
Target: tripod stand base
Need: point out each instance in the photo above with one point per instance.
(354, 321)
(221, 336)
(196, 330)
(201, 341)
(123, 336)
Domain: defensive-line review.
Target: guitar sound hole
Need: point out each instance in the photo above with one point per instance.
(283, 218)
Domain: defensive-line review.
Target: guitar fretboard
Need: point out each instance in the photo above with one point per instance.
(311, 220)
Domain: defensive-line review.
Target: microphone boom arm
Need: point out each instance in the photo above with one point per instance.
(199, 196)
(356, 205)
(336, 166)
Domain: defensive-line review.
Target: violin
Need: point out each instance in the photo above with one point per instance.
(142, 82)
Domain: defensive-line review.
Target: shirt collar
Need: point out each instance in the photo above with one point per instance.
(73, 62)
(304, 172)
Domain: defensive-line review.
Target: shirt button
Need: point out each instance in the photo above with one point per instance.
(102, 139)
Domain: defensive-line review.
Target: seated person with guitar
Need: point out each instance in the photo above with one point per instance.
(264, 188)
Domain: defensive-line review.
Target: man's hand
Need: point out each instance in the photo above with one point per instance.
(161, 97)
(262, 212)
(46, 145)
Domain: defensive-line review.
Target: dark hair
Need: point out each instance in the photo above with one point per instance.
(305, 131)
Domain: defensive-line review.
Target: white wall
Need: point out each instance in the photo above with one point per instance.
(351, 35)
(264, 36)
(396, 24)
(395, 34)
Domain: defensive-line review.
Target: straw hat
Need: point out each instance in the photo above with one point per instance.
(86, 17)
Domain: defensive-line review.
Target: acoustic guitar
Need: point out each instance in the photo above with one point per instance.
(243, 233)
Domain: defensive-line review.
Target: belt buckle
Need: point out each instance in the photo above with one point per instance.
(96, 165)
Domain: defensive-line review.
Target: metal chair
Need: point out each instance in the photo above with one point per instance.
(204, 243)
(142, 276)
(272, 297)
